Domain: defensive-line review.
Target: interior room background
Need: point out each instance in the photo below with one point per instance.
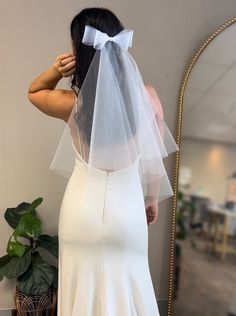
(166, 36)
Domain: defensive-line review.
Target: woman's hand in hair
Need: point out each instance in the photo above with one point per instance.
(65, 64)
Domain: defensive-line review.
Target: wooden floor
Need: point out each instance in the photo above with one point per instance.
(207, 284)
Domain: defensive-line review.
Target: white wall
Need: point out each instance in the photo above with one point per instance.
(167, 33)
(211, 163)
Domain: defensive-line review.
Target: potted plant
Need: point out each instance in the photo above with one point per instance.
(182, 232)
(36, 280)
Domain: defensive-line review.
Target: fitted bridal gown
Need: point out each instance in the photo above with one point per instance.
(103, 246)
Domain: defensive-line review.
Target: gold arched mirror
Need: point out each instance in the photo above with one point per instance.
(204, 270)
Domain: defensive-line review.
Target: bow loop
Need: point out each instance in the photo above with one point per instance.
(97, 39)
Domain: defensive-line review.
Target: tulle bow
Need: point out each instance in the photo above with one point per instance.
(97, 39)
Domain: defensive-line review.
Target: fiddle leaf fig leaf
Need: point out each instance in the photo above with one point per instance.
(29, 226)
(13, 215)
(17, 265)
(55, 277)
(50, 243)
(35, 204)
(15, 248)
(38, 278)
(3, 261)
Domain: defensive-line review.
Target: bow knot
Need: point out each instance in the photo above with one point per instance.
(98, 39)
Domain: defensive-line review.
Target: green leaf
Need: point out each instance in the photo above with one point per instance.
(29, 226)
(50, 243)
(38, 278)
(3, 261)
(55, 278)
(24, 276)
(17, 265)
(13, 215)
(15, 248)
(35, 204)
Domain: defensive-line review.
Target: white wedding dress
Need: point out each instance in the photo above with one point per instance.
(103, 246)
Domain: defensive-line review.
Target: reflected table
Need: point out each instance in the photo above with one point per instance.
(216, 213)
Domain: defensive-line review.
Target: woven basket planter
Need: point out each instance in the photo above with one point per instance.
(38, 305)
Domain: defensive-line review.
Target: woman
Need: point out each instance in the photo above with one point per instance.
(119, 282)
(58, 103)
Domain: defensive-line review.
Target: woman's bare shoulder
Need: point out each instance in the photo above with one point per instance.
(157, 106)
(57, 103)
(150, 88)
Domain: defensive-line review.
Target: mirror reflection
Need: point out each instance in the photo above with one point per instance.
(205, 274)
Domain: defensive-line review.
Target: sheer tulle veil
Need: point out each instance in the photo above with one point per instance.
(123, 126)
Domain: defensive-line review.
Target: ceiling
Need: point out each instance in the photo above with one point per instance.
(209, 111)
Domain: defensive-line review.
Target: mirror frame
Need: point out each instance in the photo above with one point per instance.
(177, 158)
